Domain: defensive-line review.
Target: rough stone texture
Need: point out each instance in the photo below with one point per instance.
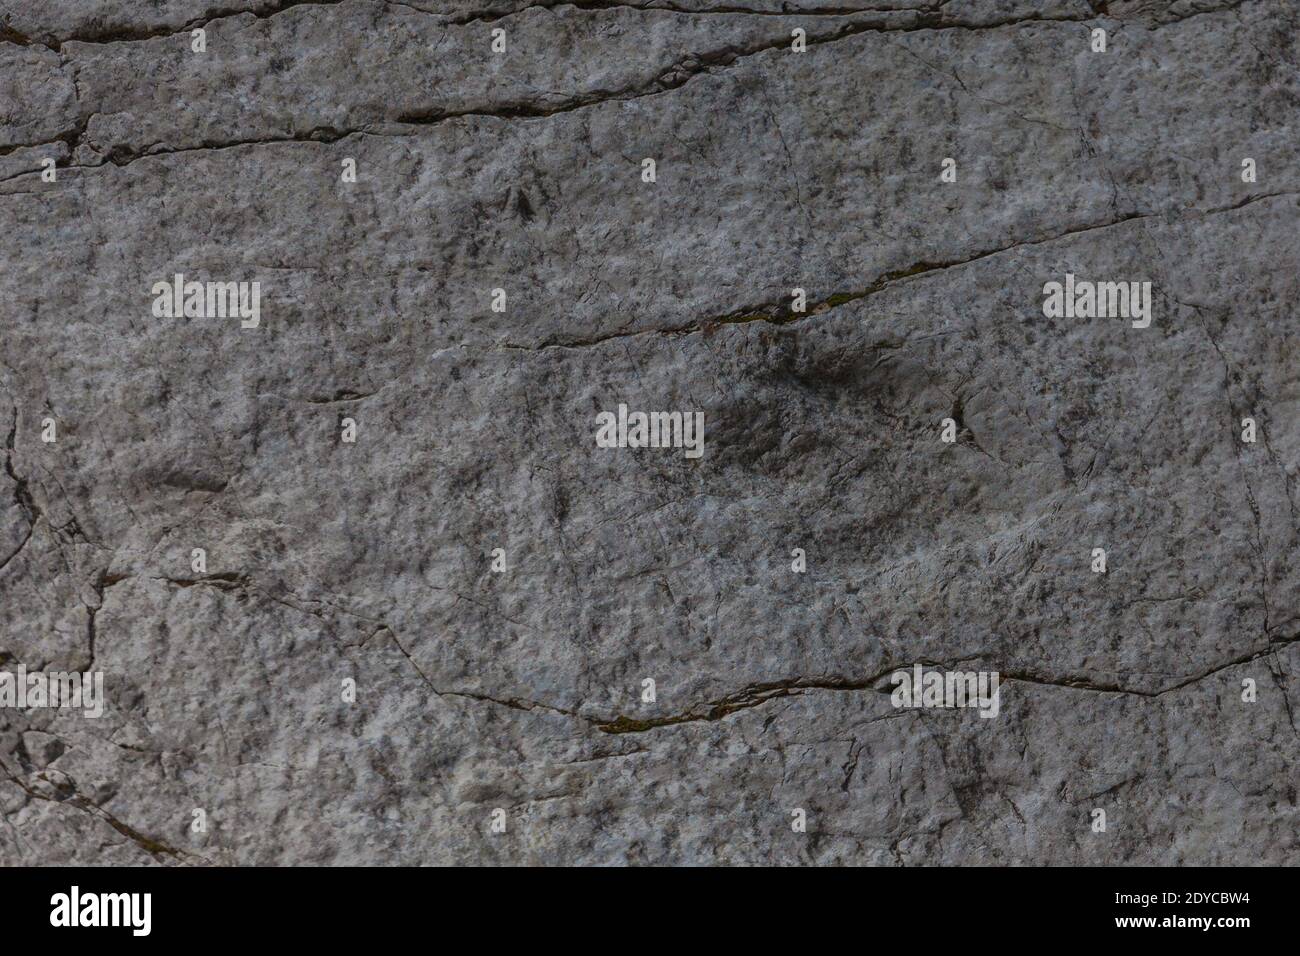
(476, 430)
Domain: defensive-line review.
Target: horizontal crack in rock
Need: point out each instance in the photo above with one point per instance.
(678, 75)
(782, 314)
(930, 16)
(756, 694)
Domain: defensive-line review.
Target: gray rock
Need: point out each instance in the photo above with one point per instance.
(522, 690)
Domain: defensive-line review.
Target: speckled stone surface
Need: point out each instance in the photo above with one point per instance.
(522, 690)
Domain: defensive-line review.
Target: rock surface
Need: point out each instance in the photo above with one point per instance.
(522, 690)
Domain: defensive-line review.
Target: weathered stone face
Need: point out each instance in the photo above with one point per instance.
(523, 689)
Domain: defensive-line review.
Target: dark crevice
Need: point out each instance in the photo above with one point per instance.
(780, 313)
(31, 528)
(105, 34)
(756, 694)
(752, 696)
(121, 33)
(340, 395)
(22, 491)
(689, 67)
(675, 77)
(225, 581)
(931, 16)
(674, 8)
(155, 848)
